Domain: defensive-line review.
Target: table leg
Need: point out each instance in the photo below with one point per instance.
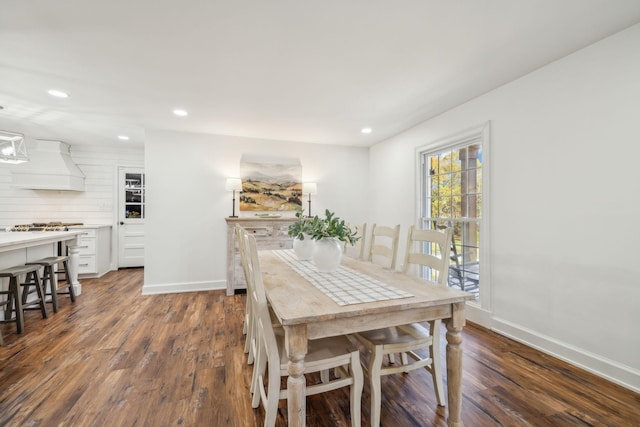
(296, 339)
(74, 264)
(454, 365)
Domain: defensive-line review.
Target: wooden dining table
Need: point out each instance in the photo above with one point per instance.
(307, 312)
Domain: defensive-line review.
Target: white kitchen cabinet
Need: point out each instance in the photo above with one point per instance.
(270, 233)
(95, 250)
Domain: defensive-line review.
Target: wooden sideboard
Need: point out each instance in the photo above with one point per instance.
(270, 233)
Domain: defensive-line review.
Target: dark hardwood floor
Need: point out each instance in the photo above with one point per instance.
(117, 358)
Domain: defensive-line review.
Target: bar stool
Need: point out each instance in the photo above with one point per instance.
(49, 276)
(11, 295)
(15, 303)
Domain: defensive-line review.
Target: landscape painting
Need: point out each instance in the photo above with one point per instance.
(270, 186)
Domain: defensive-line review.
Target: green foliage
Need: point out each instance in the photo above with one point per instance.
(302, 225)
(331, 226)
(456, 184)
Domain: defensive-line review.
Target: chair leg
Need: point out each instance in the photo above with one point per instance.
(436, 365)
(404, 358)
(48, 276)
(356, 389)
(72, 292)
(41, 295)
(258, 370)
(273, 397)
(17, 301)
(375, 366)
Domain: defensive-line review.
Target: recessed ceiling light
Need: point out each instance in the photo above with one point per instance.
(181, 113)
(57, 93)
(123, 137)
(365, 130)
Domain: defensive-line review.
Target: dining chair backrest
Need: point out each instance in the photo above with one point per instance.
(259, 299)
(267, 349)
(240, 233)
(384, 245)
(251, 247)
(250, 320)
(429, 248)
(358, 249)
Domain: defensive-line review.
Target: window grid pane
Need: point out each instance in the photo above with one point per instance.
(454, 180)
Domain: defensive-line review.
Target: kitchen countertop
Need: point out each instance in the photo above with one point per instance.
(73, 227)
(23, 239)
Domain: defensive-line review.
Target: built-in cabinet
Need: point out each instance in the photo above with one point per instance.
(270, 233)
(95, 250)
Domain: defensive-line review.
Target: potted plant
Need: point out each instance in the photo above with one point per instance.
(328, 232)
(300, 231)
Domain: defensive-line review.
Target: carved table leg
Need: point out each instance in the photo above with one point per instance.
(296, 339)
(74, 264)
(454, 365)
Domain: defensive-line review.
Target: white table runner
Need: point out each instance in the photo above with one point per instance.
(344, 286)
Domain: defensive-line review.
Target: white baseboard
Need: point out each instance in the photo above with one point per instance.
(613, 371)
(474, 313)
(170, 288)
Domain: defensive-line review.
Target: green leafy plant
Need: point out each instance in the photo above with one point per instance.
(301, 227)
(331, 226)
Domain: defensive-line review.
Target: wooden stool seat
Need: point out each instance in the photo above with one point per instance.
(49, 276)
(15, 303)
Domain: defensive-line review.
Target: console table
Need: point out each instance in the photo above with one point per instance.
(270, 233)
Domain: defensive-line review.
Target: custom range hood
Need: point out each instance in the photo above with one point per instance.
(50, 167)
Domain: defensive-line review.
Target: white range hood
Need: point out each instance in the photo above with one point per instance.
(50, 167)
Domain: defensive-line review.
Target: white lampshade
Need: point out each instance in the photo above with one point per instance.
(12, 148)
(233, 184)
(309, 188)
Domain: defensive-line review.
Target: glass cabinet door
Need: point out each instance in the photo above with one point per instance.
(134, 195)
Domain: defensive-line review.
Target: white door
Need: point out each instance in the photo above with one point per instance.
(131, 214)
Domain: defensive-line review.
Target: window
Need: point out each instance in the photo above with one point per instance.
(451, 195)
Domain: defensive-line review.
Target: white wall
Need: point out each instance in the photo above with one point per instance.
(185, 247)
(565, 199)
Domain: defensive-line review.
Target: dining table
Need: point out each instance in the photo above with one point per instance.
(359, 296)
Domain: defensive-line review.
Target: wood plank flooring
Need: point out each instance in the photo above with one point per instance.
(117, 358)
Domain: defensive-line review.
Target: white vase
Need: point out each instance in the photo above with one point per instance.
(327, 254)
(303, 248)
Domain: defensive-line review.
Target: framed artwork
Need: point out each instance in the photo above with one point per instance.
(271, 186)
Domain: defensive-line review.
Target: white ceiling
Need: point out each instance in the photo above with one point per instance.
(307, 71)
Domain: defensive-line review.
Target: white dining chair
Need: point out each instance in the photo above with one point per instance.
(432, 254)
(383, 249)
(357, 250)
(271, 361)
(248, 327)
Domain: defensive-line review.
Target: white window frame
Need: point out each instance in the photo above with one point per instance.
(479, 310)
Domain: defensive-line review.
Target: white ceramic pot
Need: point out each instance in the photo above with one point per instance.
(327, 254)
(304, 248)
